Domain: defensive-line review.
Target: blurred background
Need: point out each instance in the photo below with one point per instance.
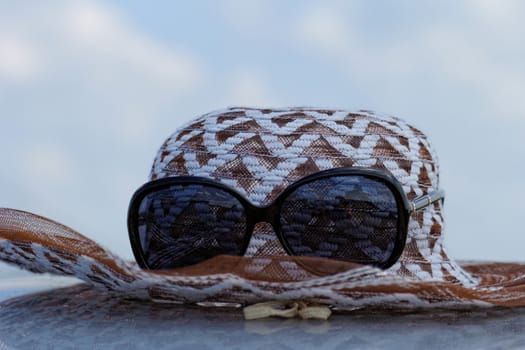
(90, 90)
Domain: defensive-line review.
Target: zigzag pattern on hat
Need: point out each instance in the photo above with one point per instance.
(259, 152)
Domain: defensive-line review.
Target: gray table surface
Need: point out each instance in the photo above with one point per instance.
(43, 312)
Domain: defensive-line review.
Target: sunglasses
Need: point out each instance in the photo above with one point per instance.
(357, 215)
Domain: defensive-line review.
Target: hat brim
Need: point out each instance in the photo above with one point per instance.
(41, 245)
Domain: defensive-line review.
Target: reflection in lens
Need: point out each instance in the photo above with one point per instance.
(185, 224)
(350, 218)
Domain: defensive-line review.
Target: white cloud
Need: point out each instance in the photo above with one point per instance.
(90, 41)
(87, 53)
(451, 52)
(18, 60)
(465, 60)
(100, 32)
(496, 11)
(249, 87)
(333, 32)
(50, 163)
(324, 28)
(246, 14)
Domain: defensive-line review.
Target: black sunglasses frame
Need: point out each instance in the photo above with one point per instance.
(271, 212)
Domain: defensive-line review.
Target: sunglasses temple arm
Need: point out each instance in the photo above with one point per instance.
(426, 200)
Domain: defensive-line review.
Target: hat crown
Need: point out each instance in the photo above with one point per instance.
(259, 152)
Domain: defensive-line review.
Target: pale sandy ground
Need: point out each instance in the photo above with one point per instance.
(33, 316)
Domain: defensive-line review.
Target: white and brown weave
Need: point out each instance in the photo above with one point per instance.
(259, 152)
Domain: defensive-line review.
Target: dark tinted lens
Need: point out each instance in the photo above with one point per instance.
(185, 224)
(351, 218)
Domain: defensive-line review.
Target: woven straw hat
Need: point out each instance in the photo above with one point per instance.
(259, 152)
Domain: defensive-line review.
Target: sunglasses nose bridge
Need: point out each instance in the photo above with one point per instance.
(267, 214)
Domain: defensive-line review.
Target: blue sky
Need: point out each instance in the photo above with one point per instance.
(90, 90)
